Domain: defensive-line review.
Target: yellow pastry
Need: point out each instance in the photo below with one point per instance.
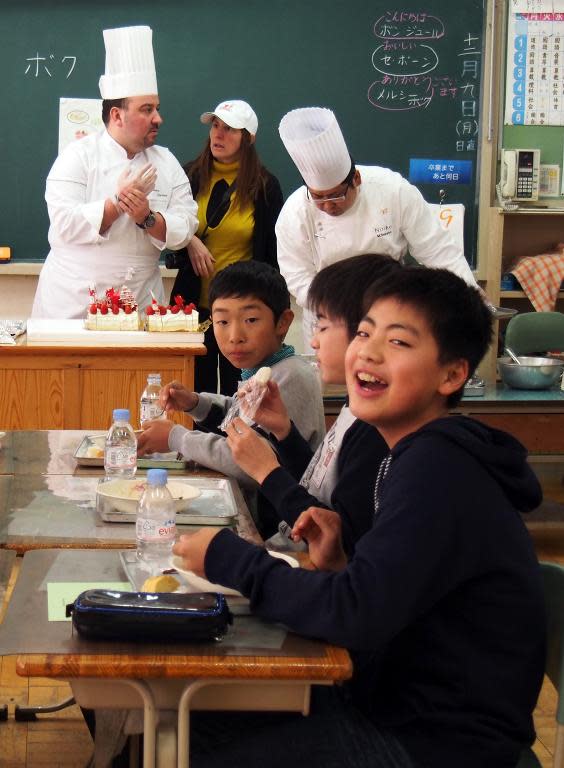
(162, 583)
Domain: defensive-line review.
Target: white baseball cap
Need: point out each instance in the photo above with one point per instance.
(316, 145)
(237, 114)
(130, 64)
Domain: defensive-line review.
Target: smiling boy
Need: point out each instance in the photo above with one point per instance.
(441, 604)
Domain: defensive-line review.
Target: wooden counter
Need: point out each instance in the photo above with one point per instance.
(67, 387)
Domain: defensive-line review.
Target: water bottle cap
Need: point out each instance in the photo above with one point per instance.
(121, 414)
(157, 476)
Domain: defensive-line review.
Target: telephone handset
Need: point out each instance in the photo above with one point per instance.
(519, 177)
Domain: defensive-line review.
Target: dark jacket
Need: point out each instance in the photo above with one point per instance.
(360, 454)
(441, 603)
(267, 208)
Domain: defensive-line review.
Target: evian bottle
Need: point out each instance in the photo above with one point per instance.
(156, 519)
(120, 449)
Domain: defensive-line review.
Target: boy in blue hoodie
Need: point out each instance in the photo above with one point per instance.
(441, 603)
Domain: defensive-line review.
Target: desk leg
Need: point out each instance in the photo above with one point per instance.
(149, 721)
(193, 686)
(184, 720)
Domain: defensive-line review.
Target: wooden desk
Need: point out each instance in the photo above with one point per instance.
(63, 387)
(110, 675)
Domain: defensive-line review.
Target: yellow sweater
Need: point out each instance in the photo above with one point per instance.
(231, 239)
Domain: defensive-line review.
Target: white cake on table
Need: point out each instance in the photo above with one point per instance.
(176, 317)
(117, 311)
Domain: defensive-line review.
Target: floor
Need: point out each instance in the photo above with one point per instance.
(61, 740)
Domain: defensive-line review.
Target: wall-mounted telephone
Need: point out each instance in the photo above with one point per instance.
(520, 170)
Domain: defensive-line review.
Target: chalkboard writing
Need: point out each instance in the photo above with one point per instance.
(403, 81)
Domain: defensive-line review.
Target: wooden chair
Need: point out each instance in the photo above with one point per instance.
(553, 580)
(535, 333)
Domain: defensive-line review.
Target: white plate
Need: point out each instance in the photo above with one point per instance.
(123, 494)
(203, 585)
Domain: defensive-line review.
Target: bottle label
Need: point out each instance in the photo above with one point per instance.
(150, 410)
(120, 457)
(153, 530)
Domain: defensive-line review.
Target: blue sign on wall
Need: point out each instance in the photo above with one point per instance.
(430, 170)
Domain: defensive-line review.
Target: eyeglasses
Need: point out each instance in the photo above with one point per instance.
(332, 199)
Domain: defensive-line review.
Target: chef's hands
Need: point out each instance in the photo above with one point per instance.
(133, 190)
(154, 437)
(144, 180)
(176, 397)
(192, 548)
(271, 413)
(321, 528)
(203, 263)
(251, 451)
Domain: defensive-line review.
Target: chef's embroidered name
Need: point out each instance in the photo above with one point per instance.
(383, 230)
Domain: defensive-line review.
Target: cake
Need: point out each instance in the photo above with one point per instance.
(176, 317)
(117, 311)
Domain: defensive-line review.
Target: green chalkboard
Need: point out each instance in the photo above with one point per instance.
(404, 82)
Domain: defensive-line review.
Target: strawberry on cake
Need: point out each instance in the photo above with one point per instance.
(117, 311)
(176, 317)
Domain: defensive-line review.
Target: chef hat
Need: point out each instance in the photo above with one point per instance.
(316, 145)
(130, 64)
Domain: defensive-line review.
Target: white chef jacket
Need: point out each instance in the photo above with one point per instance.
(388, 216)
(81, 179)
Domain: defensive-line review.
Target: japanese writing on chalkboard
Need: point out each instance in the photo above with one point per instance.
(409, 76)
(47, 66)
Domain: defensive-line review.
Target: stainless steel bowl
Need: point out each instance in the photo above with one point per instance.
(533, 373)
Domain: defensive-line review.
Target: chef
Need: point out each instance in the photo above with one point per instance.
(344, 210)
(115, 199)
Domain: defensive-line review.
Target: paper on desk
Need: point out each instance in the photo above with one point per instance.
(60, 594)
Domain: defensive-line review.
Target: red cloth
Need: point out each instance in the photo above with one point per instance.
(540, 278)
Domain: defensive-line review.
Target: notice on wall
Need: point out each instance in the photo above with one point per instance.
(78, 118)
(535, 63)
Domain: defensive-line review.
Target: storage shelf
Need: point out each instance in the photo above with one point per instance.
(522, 295)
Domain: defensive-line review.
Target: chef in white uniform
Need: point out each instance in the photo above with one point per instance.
(344, 210)
(115, 199)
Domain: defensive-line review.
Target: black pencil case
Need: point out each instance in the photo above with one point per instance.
(104, 614)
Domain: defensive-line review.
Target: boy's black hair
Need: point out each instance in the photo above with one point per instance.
(251, 278)
(338, 290)
(459, 320)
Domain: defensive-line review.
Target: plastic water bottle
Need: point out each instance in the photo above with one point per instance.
(156, 519)
(150, 407)
(120, 449)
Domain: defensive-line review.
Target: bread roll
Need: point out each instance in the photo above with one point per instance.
(162, 583)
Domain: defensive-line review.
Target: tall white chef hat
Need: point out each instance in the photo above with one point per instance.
(130, 64)
(316, 145)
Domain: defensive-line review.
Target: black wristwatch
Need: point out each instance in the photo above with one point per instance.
(149, 221)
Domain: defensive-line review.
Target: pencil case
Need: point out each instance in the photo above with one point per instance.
(104, 614)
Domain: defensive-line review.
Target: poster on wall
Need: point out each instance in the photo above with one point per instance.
(78, 118)
(535, 63)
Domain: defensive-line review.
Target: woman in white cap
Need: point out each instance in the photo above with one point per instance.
(238, 204)
(343, 210)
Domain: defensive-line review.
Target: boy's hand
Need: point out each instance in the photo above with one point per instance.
(176, 397)
(192, 548)
(321, 528)
(154, 438)
(271, 413)
(251, 451)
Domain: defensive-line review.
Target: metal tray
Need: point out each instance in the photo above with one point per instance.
(215, 506)
(91, 443)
